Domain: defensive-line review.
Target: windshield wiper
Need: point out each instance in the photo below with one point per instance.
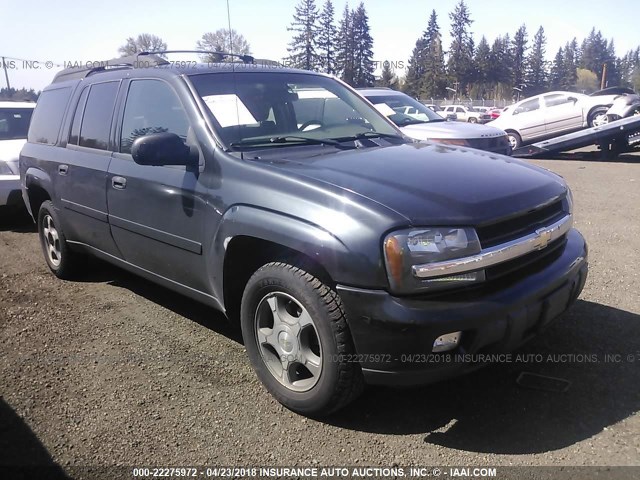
(296, 139)
(370, 134)
(412, 121)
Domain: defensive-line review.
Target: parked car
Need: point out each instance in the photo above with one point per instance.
(551, 114)
(345, 251)
(14, 124)
(440, 111)
(420, 122)
(495, 112)
(467, 114)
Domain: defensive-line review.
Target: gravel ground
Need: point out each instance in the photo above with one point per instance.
(113, 370)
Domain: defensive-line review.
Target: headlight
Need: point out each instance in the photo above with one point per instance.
(407, 248)
(460, 142)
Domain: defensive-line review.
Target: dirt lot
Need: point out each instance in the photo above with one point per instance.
(113, 370)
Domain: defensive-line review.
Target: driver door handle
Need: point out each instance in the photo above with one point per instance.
(119, 183)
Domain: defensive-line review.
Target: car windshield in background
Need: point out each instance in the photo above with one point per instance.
(404, 110)
(279, 108)
(14, 123)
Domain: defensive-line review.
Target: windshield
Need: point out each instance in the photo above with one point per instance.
(14, 123)
(284, 108)
(403, 110)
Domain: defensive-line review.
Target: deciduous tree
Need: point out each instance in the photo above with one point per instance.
(145, 42)
(223, 40)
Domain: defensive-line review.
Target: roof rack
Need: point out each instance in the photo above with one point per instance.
(218, 55)
(138, 60)
(133, 61)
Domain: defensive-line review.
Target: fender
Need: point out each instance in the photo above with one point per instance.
(35, 177)
(343, 265)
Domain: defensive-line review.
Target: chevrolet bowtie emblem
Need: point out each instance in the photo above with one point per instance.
(542, 238)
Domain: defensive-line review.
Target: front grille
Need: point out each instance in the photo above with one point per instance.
(535, 260)
(503, 275)
(521, 225)
(493, 144)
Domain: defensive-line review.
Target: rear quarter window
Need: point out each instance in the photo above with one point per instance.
(47, 118)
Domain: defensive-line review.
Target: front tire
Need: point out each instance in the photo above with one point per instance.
(598, 117)
(298, 341)
(62, 261)
(473, 120)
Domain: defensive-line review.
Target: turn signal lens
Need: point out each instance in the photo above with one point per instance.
(393, 254)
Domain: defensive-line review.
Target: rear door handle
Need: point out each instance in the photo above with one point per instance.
(63, 169)
(119, 183)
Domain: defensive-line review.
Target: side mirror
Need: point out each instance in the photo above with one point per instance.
(161, 149)
(572, 99)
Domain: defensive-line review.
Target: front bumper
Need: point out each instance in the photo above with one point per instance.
(394, 336)
(10, 190)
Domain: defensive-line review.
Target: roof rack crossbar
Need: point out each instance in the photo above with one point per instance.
(217, 54)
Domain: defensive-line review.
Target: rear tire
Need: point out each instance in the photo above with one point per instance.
(296, 335)
(62, 261)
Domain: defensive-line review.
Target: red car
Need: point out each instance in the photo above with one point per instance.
(495, 112)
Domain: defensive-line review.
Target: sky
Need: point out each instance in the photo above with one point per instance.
(72, 31)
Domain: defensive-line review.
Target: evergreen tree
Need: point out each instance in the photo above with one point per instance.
(388, 78)
(570, 65)
(416, 68)
(426, 74)
(501, 73)
(519, 52)
(461, 50)
(345, 67)
(557, 71)
(483, 63)
(613, 77)
(435, 80)
(536, 69)
(628, 64)
(363, 49)
(303, 46)
(326, 39)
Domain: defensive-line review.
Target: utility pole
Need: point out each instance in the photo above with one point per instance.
(604, 76)
(6, 74)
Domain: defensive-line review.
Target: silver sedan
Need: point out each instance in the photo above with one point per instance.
(420, 122)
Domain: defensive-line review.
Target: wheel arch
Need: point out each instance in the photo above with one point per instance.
(37, 189)
(249, 237)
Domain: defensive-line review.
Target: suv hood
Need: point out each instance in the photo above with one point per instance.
(427, 131)
(431, 184)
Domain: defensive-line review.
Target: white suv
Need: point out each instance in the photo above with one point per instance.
(14, 124)
(467, 114)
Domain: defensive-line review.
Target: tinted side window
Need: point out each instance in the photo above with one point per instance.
(77, 118)
(152, 107)
(14, 123)
(96, 121)
(47, 118)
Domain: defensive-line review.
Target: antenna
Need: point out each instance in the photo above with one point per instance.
(233, 73)
(229, 22)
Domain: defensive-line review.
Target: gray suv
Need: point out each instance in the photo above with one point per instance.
(347, 252)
